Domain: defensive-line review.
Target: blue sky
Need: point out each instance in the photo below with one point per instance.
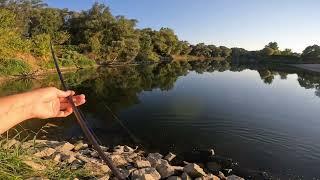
(234, 23)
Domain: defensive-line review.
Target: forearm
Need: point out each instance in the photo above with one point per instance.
(15, 109)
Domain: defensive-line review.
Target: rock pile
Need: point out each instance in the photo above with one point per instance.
(134, 163)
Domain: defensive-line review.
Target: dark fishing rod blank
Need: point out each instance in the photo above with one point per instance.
(81, 121)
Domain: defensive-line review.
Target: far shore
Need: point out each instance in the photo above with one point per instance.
(309, 67)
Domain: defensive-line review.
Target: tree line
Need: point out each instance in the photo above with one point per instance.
(28, 25)
(95, 36)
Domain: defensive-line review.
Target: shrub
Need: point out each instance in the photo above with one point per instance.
(73, 58)
(13, 67)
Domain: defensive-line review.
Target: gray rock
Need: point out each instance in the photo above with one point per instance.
(234, 177)
(85, 151)
(221, 176)
(154, 159)
(194, 170)
(177, 168)
(174, 178)
(128, 149)
(165, 169)
(103, 148)
(47, 152)
(185, 176)
(94, 154)
(170, 156)
(140, 173)
(142, 164)
(118, 149)
(76, 164)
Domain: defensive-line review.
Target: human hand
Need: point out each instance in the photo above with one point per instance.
(51, 102)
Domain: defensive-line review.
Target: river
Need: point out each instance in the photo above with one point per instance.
(264, 117)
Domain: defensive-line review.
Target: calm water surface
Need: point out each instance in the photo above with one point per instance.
(265, 118)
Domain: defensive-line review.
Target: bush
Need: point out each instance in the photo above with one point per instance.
(73, 58)
(13, 67)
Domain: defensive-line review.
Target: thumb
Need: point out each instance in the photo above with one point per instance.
(63, 94)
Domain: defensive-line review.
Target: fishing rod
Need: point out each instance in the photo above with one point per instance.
(81, 121)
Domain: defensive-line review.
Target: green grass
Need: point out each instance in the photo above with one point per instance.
(13, 67)
(11, 165)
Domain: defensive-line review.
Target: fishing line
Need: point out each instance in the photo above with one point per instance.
(131, 135)
(81, 121)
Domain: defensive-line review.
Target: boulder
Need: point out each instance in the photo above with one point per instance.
(154, 159)
(47, 152)
(185, 176)
(194, 170)
(142, 164)
(165, 169)
(234, 177)
(170, 156)
(177, 168)
(221, 176)
(139, 173)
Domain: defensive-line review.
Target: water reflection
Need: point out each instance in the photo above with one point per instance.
(257, 111)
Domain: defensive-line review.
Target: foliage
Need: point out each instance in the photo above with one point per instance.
(273, 45)
(27, 27)
(311, 52)
(13, 67)
(267, 51)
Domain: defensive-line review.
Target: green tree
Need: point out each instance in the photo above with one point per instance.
(267, 51)
(165, 41)
(311, 52)
(287, 52)
(273, 45)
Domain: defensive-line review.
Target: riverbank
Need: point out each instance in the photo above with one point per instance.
(63, 160)
(309, 67)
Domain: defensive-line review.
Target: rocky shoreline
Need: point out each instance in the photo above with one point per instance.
(133, 162)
